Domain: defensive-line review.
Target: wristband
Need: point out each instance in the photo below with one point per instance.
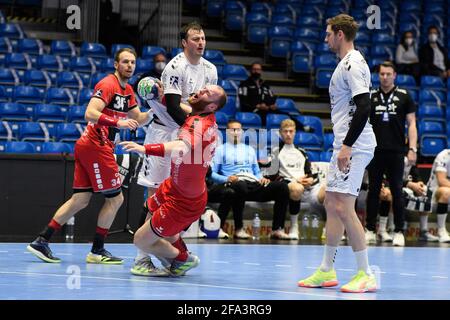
(105, 120)
(154, 149)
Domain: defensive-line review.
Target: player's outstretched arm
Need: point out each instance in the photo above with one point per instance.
(157, 149)
(94, 114)
(141, 117)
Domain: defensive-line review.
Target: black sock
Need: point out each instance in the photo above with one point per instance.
(99, 242)
(384, 208)
(441, 208)
(47, 233)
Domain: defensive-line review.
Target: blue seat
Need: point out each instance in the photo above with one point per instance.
(257, 18)
(37, 78)
(4, 97)
(405, 81)
(221, 119)
(11, 31)
(92, 49)
(50, 113)
(68, 79)
(117, 46)
(13, 112)
(143, 65)
(27, 94)
(273, 121)
(375, 79)
(313, 122)
(82, 64)
(303, 47)
(362, 38)
(431, 144)
(308, 141)
(56, 147)
(8, 77)
(234, 21)
(229, 86)
(29, 131)
(323, 48)
(328, 139)
(375, 62)
(307, 34)
(76, 114)
(214, 8)
(323, 78)
(301, 63)
(30, 46)
(59, 96)
(230, 107)
(287, 106)
(107, 65)
(381, 51)
(249, 119)
(18, 61)
(431, 127)
(175, 51)
(68, 132)
(234, 72)
(148, 52)
(63, 48)
(96, 77)
(282, 20)
(256, 34)
(85, 96)
(49, 62)
(261, 7)
(384, 38)
(433, 96)
(429, 110)
(279, 48)
(215, 57)
(5, 45)
(432, 82)
(313, 155)
(326, 61)
(325, 156)
(19, 147)
(308, 22)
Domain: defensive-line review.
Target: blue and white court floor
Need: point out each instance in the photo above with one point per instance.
(226, 271)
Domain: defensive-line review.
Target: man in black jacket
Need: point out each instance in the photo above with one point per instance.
(433, 56)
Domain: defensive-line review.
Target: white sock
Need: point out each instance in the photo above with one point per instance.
(382, 224)
(441, 218)
(362, 259)
(391, 221)
(294, 219)
(140, 255)
(424, 222)
(328, 258)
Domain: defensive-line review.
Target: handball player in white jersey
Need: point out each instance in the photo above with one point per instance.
(185, 74)
(354, 146)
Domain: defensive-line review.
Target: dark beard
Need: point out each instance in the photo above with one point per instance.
(199, 106)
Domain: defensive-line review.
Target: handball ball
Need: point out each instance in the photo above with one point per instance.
(148, 89)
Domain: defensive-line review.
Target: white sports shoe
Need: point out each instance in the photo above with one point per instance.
(223, 234)
(201, 234)
(371, 237)
(399, 239)
(293, 232)
(443, 235)
(385, 236)
(241, 234)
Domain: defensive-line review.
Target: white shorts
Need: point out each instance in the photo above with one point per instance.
(349, 183)
(311, 196)
(154, 169)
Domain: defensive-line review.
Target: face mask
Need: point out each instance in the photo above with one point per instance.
(256, 75)
(432, 37)
(409, 41)
(159, 66)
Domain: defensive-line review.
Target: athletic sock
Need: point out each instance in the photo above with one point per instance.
(294, 220)
(329, 255)
(424, 222)
(50, 229)
(182, 256)
(382, 224)
(140, 255)
(180, 245)
(441, 214)
(362, 260)
(99, 239)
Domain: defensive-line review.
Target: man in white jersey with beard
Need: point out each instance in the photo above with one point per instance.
(439, 184)
(354, 146)
(185, 74)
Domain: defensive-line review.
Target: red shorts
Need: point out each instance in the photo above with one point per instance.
(95, 168)
(172, 212)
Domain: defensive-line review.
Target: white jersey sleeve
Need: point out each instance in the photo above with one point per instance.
(172, 79)
(357, 75)
(441, 161)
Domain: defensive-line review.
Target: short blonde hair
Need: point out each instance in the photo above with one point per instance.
(346, 23)
(287, 123)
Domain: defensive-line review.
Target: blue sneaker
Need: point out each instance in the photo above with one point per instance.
(41, 249)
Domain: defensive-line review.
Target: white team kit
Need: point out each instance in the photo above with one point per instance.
(182, 78)
(441, 164)
(350, 78)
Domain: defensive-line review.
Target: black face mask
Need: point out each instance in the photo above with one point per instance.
(256, 76)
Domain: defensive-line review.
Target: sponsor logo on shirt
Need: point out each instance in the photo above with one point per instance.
(174, 80)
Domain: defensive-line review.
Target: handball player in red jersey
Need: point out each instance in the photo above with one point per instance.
(181, 199)
(111, 108)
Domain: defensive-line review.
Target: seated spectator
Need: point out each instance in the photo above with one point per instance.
(439, 185)
(406, 57)
(255, 95)
(235, 166)
(290, 165)
(433, 56)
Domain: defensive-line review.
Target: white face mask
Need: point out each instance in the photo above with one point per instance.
(159, 66)
(409, 41)
(432, 37)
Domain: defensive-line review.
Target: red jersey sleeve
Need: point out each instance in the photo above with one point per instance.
(104, 90)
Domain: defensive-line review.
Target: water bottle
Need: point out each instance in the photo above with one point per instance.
(256, 227)
(315, 227)
(304, 231)
(70, 226)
